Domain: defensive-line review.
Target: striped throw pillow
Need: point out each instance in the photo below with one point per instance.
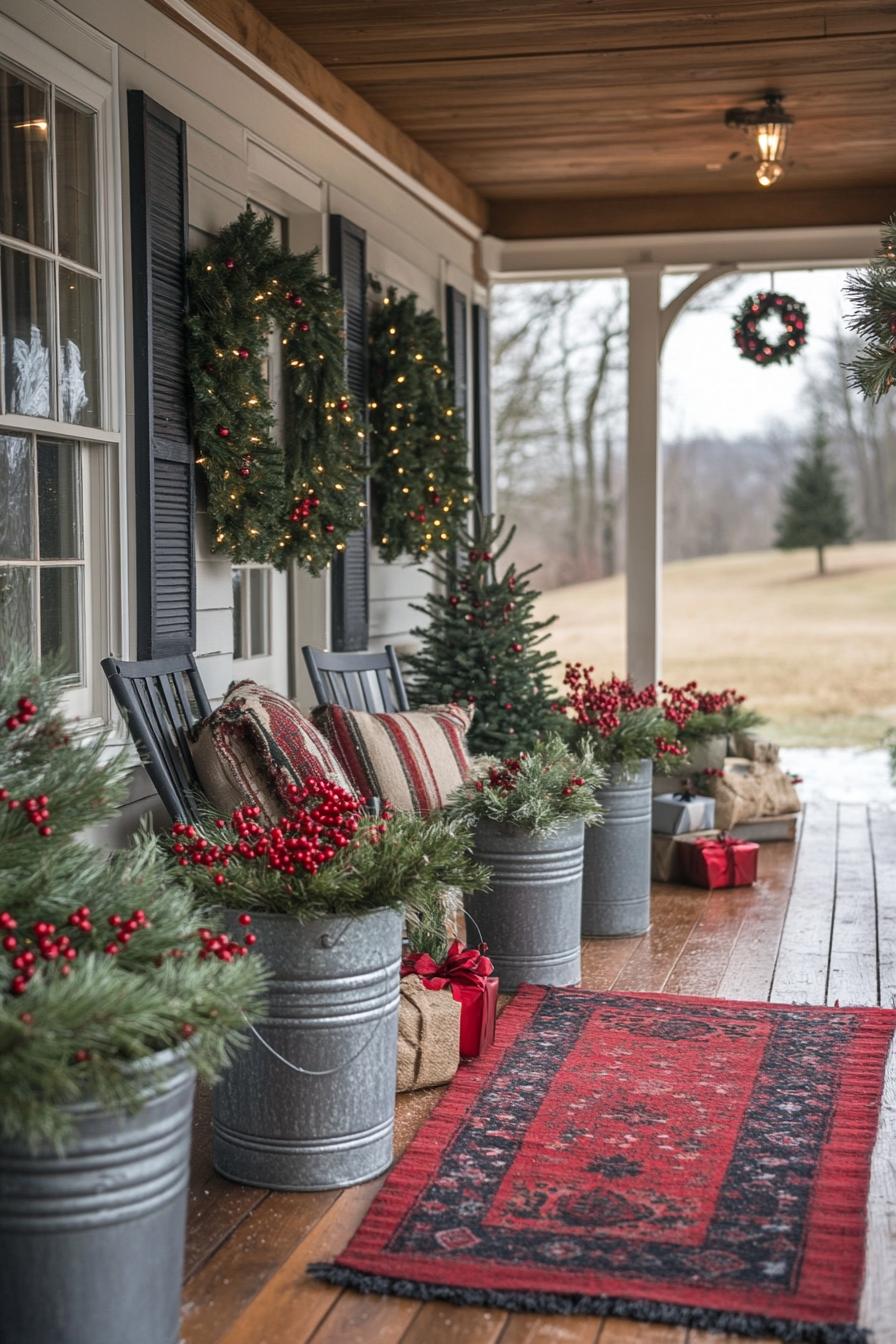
(414, 759)
(254, 745)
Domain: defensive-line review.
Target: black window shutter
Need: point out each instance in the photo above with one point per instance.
(350, 579)
(456, 336)
(164, 470)
(482, 414)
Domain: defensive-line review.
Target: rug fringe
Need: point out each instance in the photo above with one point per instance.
(663, 1313)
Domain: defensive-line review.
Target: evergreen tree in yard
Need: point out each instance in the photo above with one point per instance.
(483, 644)
(814, 509)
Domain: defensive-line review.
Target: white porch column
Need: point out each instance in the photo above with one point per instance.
(644, 490)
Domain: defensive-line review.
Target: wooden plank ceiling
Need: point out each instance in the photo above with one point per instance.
(607, 116)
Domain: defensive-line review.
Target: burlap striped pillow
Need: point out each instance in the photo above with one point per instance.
(254, 745)
(414, 759)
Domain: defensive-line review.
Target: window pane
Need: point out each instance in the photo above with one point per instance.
(16, 498)
(24, 160)
(79, 362)
(76, 183)
(25, 299)
(60, 618)
(259, 634)
(59, 499)
(237, 576)
(16, 610)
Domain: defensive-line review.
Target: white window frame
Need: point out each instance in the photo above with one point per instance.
(103, 474)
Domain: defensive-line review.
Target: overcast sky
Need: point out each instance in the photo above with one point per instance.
(708, 387)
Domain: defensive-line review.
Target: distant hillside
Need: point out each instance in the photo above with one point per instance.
(818, 656)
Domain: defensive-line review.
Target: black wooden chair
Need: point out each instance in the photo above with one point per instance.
(161, 700)
(370, 681)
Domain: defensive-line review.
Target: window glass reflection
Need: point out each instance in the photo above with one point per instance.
(79, 348)
(24, 160)
(76, 183)
(59, 499)
(16, 497)
(25, 290)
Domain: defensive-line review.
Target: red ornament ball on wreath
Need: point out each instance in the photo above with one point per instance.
(753, 334)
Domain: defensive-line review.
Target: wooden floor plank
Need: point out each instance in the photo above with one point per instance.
(707, 950)
(852, 974)
(675, 911)
(291, 1305)
(883, 836)
(751, 966)
(526, 1328)
(216, 1206)
(226, 1284)
(440, 1323)
(638, 1332)
(358, 1318)
(801, 972)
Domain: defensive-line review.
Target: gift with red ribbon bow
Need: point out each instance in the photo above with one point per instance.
(468, 973)
(718, 861)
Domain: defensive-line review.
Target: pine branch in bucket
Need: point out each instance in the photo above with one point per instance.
(535, 791)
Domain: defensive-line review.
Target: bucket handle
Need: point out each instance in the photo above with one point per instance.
(326, 1073)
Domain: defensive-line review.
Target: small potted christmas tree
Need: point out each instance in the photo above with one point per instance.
(627, 731)
(530, 813)
(310, 1105)
(484, 645)
(110, 1002)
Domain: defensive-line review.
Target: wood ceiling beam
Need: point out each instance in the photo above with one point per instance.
(343, 112)
(773, 209)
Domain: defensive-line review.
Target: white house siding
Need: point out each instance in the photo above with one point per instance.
(245, 143)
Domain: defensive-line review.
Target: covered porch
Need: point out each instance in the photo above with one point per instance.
(441, 150)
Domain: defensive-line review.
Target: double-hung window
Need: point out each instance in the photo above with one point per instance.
(59, 508)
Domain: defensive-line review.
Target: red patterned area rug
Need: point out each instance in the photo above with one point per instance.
(689, 1161)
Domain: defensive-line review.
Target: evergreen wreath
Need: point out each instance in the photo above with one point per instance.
(756, 347)
(420, 475)
(272, 498)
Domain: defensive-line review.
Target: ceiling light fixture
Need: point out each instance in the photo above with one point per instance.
(768, 127)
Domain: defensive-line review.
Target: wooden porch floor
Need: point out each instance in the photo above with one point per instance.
(819, 926)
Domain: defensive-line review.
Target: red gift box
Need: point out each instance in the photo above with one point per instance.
(719, 861)
(467, 972)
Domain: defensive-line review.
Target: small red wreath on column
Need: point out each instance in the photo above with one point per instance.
(751, 340)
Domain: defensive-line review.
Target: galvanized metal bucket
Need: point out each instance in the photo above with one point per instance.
(531, 917)
(708, 755)
(92, 1240)
(616, 881)
(310, 1105)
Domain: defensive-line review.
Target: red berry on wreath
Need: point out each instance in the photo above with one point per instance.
(222, 432)
(243, 352)
(303, 326)
(230, 264)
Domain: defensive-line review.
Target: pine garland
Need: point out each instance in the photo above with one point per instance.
(483, 643)
(101, 960)
(873, 291)
(420, 474)
(272, 498)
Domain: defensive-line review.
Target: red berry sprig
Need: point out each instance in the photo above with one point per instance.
(322, 819)
(222, 946)
(36, 810)
(304, 507)
(25, 712)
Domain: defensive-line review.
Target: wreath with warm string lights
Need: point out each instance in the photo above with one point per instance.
(419, 468)
(272, 497)
(748, 334)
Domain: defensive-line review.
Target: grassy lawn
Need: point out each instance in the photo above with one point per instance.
(816, 655)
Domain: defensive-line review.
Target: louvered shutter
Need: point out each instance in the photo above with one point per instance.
(350, 582)
(456, 334)
(482, 411)
(164, 472)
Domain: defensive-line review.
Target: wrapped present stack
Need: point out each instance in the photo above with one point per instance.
(707, 830)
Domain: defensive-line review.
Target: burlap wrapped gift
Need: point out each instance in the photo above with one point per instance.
(749, 789)
(428, 1035)
(755, 748)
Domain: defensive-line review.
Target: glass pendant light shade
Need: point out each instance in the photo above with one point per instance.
(767, 127)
